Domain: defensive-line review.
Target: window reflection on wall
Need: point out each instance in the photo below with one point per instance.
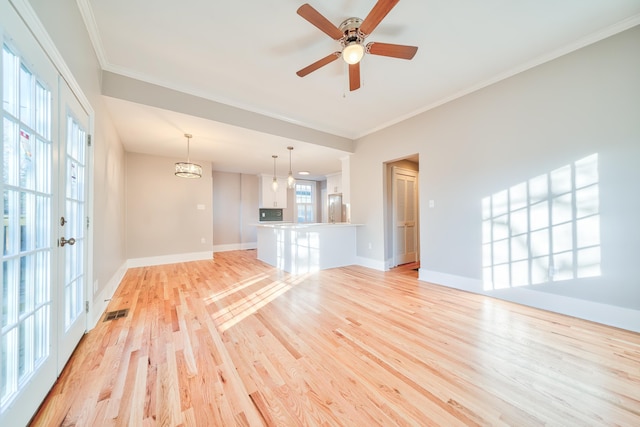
(545, 229)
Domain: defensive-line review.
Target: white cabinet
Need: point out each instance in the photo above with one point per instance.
(334, 183)
(270, 198)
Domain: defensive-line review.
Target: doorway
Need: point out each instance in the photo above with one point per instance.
(402, 224)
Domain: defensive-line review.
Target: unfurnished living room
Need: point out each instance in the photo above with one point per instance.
(339, 213)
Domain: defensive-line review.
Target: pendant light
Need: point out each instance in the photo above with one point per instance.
(291, 181)
(274, 183)
(188, 169)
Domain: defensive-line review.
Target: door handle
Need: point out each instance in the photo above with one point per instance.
(64, 241)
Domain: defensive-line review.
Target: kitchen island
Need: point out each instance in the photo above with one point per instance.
(303, 248)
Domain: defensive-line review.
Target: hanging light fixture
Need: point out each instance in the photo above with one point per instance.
(188, 169)
(291, 181)
(274, 183)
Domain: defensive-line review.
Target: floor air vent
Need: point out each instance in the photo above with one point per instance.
(112, 315)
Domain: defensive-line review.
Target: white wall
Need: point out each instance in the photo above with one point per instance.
(531, 124)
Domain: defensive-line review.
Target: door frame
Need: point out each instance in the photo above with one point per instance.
(395, 171)
(410, 162)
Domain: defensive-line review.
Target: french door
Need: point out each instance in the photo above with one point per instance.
(71, 222)
(43, 265)
(405, 215)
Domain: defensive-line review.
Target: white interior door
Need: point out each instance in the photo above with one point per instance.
(72, 223)
(405, 216)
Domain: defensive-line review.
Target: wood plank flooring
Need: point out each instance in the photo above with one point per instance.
(233, 341)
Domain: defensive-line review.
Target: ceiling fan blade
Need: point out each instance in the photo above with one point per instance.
(354, 76)
(393, 50)
(321, 63)
(377, 14)
(314, 17)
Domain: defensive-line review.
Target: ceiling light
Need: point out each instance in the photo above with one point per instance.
(188, 169)
(303, 173)
(274, 183)
(353, 53)
(291, 181)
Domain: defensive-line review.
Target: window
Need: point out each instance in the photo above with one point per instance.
(26, 235)
(305, 201)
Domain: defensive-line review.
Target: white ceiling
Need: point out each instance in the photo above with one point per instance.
(246, 53)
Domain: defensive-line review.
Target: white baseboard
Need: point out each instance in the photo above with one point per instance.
(169, 259)
(235, 247)
(101, 300)
(371, 263)
(619, 317)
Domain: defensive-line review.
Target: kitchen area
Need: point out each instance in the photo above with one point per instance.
(314, 240)
(299, 230)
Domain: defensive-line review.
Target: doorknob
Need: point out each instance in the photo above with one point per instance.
(64, 241)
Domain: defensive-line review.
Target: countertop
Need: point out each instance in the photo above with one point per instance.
(279, 224)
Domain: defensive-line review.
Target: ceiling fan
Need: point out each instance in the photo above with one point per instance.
(351, 35)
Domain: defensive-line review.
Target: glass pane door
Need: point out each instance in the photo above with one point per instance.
(27, 350)
(72, 224)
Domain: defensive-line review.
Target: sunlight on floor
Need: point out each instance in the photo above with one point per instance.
(239, 310)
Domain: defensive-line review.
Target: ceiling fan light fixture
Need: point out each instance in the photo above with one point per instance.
(353, 53)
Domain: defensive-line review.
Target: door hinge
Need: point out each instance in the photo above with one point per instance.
(86, 306)
(89, 140)
(88, 222)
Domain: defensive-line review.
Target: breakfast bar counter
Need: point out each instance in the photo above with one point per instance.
(302, 248)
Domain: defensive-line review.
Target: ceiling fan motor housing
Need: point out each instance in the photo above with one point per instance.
(350, 27)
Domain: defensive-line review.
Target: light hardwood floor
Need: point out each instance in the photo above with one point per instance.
(234, 341)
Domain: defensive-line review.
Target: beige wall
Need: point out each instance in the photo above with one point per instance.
(235, 210)
(163, 214)
(249, 201)
(545, 118)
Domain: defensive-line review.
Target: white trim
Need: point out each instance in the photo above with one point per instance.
(371, 263)
(235, 247)
(605, 314)
(169, 259)
(92, 28)
(98, 304)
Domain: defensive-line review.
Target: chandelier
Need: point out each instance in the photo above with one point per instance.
(188, 169)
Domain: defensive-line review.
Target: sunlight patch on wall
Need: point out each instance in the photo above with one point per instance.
(544, 229)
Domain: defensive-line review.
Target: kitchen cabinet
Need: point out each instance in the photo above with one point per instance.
(270, 198)
(334, 183)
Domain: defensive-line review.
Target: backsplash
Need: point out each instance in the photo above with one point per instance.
(270, 215)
